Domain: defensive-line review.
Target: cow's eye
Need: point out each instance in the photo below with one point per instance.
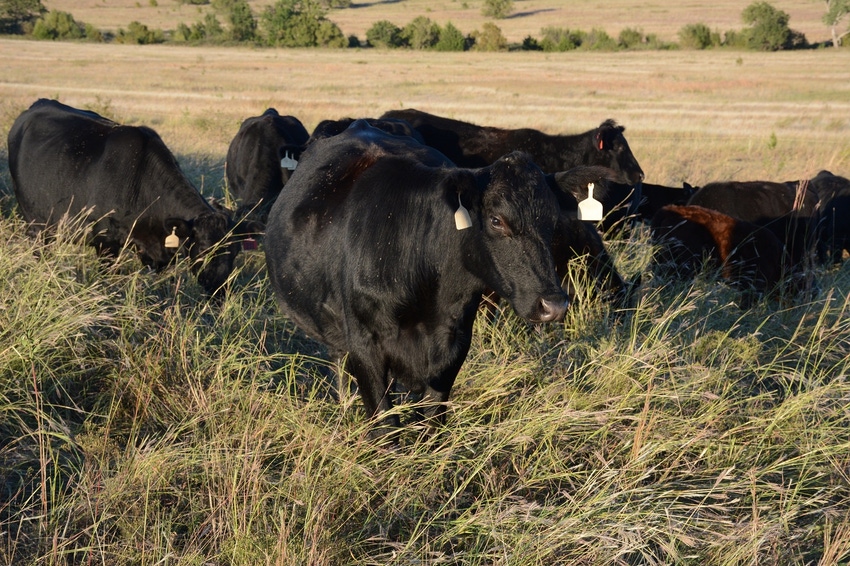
(500, 225)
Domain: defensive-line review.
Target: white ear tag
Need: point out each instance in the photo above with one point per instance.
(590, 209)
(172, 240)
(288, 162)
(462, 219)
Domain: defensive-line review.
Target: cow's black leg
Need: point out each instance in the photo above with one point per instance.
(375, 390)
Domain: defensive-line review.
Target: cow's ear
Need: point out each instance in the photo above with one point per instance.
(182, 228)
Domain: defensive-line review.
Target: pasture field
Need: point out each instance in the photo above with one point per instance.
(140, 425)
(664, 19)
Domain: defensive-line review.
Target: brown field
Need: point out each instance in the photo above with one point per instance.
(690, 116)
(660, 17)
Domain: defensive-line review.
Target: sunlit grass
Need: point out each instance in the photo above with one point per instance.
(139, 424)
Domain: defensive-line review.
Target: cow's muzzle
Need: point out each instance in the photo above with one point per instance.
(551, 309)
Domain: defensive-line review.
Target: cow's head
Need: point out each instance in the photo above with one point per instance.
(614, 152)
(213, 241)
(515, 214)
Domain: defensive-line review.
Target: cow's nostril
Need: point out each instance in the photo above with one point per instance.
(549, 311)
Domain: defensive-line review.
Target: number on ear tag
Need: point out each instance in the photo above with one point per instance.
(288, 162)
(590, 209)
(172, 240)
(462, 219)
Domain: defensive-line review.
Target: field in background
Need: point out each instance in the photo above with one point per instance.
(140, 425)
(530, 16)
(689, 116)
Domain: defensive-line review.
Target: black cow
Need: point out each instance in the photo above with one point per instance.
(67, 162)
(365, 253)
(256, 165)
(749, 257)
(834, 230)
(577, 239)
(470, 145)
(328, 128)
(791, 214)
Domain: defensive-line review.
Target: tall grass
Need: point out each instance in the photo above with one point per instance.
(141, 425)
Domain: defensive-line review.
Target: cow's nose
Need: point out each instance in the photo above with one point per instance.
(552, 310)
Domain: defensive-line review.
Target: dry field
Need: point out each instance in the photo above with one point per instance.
(139, 425)
(660, 17)
(689, 116)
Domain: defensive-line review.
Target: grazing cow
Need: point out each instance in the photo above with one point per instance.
(470, 145)
(328, 128)
(834, 230)
(65, 161)
(618, 197)
(577, 239)
(369, 251)
(256, 166)
(749, 257)
(791, 217)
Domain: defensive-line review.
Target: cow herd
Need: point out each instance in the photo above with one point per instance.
(382, 236)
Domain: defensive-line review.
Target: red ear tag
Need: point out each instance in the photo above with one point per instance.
(249, 244)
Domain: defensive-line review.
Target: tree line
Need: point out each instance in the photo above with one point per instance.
(304, 23)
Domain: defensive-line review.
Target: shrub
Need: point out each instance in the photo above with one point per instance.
(695, 36)
(630, 38)
(498, 9)
(490, 38)
(530, 44)
(560, 39)
(384, 33)
(140, 34)
(599, 40)
(16, 16)
(58, 25)
(451, 39)
(421, 33)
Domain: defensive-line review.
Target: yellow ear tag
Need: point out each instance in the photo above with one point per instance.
(590, 209)
(462, 219)
(172, 240)
(288, 162)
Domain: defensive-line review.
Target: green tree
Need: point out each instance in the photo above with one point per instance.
(58, 25)
(421, 33)
(241, 23)
(384, 33)
(451, 39)
(17, 15)
(768, 29)
(139, 33)
(498, 9)
(300, 23)
(490, 38)
(836, 12)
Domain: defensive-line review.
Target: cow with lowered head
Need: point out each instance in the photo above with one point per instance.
(471, 145)
(789, 210)
(834, 229)
(750, 258)
(67, 162)
(369, 251)
(261, 158)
